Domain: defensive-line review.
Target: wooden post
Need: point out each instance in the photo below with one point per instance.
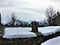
(34, 26)
(0, 19)
(1, 28)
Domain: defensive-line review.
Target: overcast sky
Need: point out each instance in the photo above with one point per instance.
(28, 9)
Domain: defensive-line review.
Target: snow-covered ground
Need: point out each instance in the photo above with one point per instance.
(21, 32)
(53, 41)
(18, 33)
(49, 30)
(19, 28)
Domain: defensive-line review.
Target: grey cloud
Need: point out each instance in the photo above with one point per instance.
(10, 3)
(1, 1)
(5, 3)
(52, 0)
(56, 0)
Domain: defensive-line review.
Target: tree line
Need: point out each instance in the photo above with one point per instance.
(49, 13)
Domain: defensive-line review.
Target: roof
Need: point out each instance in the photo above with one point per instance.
(55, 16)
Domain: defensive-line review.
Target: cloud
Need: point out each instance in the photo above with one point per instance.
(29, 3)
(56, 0)
(5, 3)
(31, 9)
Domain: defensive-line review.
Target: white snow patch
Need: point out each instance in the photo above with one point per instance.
(19, 28)
(18, 33)
(53, 41)
(49, 30)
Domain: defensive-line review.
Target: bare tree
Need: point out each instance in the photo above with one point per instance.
(49, 14)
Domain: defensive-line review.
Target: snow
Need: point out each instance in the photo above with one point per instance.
(25, 32)
(53, 41)
(45, 31)
(18, 33)
(19, 28)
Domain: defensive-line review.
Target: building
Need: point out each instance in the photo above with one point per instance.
(56, 19)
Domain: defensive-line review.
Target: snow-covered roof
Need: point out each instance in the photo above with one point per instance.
(18, 33)
(56, 15)
(53, 41)
(49, 30)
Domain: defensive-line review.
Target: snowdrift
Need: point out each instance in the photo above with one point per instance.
(53, 41)
(18, 33)
(19, 28)
(45, 31)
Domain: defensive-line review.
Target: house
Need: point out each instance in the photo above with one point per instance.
(56, 19)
